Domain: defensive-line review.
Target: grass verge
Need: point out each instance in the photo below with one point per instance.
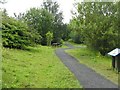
(37, 67)
(101, 64)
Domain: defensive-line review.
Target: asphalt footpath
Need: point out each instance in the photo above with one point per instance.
(87, 77)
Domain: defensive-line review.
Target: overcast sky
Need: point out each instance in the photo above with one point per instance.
(20, 6)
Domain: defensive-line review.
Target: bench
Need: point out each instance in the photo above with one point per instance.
(56, 44)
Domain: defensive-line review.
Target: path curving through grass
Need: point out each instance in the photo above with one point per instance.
(87, 77)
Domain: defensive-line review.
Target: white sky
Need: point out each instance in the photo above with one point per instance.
(17, 6)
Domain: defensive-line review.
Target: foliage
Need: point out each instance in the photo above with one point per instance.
(45, 19)
(66, 32)
(96, 25)
(34, 25)
(14, 33)
(58, 26)
(40, 21)
(76, 31)
(49, 37)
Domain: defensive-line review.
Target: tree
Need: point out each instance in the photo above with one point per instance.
(76, 31)
(96, 24)
(101, 35)
(48, 18)
(66, 31)
(47, 25)
(53, 8)
(40, 21)
(49, 37)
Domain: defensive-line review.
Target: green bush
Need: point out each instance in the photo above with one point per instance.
(97, 26)
(15, 33)
(49, 37)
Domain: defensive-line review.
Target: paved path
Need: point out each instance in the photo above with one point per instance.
(86, 76)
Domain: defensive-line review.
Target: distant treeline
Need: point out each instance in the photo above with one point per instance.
(34, 27)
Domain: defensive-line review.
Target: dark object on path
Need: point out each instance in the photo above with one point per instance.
(56, 44)
(115, 59)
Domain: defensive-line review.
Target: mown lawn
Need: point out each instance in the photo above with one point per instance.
(37, 67)
(101, 64)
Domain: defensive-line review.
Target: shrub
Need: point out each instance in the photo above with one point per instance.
(15, 33)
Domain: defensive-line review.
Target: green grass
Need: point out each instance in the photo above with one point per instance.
(37, 67)
(63, 46)
(75, 44)
(101, 64)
